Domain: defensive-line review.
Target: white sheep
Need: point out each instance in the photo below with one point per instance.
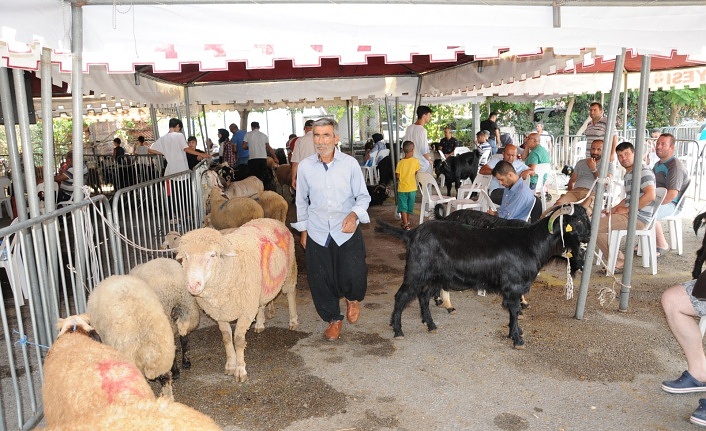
(234, 276)
(250, 187)
(91, 386)
(128, 315)
(273, 205)
(168, 280)
(228, 213)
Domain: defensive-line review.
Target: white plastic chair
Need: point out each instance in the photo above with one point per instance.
(579, 152)
(465, 192)
(541, 169)
(5, 184)
(646, 236)
(431, 195)
(11, 260)
(483, 158)
(369, 171)
(676, 235)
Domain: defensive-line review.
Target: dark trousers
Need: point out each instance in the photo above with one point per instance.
(335, 272)
(257, 167)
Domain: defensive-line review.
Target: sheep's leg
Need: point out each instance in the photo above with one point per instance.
(513, 307)
(175, 369)
(166, 381)
(185, 362)
(270, 310)
(227, 335)
(424, 297)
(241, 328)
(292, 304)
(404, 295)
(260, 319)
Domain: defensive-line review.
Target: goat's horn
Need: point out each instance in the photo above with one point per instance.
(567, 209)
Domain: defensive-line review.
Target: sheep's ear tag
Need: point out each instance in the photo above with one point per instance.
(569, 228)
(569, 255)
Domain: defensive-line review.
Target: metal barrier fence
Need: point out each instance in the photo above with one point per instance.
(53, 261)
(146, 212)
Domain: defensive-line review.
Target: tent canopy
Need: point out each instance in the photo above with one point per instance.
(303, 53)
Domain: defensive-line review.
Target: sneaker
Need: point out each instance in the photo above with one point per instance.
(685, 384)
(699, 415)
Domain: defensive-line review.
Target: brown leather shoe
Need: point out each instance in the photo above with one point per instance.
(352, 310)
(334, 330)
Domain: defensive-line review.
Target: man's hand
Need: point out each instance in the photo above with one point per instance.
(591, 163)
(349, 225)
(302, 240)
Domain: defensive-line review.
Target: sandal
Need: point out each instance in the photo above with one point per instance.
(406, 227)
(661, 251)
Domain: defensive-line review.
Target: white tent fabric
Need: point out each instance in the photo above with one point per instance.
(511, 40)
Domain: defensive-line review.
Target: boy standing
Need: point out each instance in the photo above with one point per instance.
(407, 183)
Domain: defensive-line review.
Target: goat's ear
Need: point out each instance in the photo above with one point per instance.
(179, 257)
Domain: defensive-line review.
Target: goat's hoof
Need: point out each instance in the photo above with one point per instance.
(520, 316)
(186, 365)
(451, 310)
(259, 330)
(432, 331)
(524, 305)
(519, 346)
(398, 337)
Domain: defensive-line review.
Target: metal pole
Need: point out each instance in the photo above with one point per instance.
(600, 187)
(189, 128)
(77, 138)
(637, 168)
(18, 185)
(625, 104)
(153, 118)
(394, 145)
(49, 192)
(476, 118)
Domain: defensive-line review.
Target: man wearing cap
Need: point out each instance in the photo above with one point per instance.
(448, 143)
(418, 134)
(258, 146)
(303, 148)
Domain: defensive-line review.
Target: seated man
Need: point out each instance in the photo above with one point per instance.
(448, 143)
(583, 177)
(495, 190)
(533, 155)
(671, 174)
(65, 178)
(482, 141)
(518, 199)
(681, 307)
(618, 218)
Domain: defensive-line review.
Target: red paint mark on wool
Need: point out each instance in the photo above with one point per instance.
(118, 377)
(272, 276)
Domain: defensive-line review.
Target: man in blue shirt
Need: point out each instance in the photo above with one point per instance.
(518, 199)
(332, 200)
(237, 140)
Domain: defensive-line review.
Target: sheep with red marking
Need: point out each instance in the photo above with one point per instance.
(453, 256)
(92, 386)
(128, 315)
(234, 276)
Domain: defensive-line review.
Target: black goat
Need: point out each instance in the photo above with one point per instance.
(457, 168)
(700, 253)
(502, 260)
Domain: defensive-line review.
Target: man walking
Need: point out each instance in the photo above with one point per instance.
(332, 200)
